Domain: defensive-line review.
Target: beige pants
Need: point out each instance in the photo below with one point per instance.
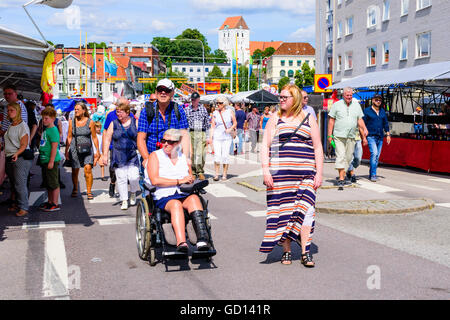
(344, 152)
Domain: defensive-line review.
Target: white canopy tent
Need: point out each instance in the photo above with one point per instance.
(211, 98)
(21, 61)
(423, 74)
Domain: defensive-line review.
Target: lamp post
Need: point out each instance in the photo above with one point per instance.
(203, 57)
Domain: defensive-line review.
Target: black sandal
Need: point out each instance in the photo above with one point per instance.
(286, 258)
(182, 247)
(90, 196)
(307, 260)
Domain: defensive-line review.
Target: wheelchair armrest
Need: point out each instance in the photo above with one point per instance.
(149, 188)
(196, 186)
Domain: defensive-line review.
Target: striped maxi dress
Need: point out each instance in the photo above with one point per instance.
(293, 169)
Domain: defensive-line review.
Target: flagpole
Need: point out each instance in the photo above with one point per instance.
(231, 75)
(81, 54)
(248, 83)
(237, 66)
(85, 68)
(95, 66)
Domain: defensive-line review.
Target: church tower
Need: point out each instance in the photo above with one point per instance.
(235, 28)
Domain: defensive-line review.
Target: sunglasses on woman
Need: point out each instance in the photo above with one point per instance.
(170, 142)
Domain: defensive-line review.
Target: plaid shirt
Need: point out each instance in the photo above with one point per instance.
(153, 136)
(198, 119)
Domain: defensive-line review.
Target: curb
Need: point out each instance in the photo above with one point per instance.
(366, 208)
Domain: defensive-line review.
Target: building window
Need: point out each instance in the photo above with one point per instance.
(404, 48)
(307, 62)
(386, 52)
(122, 49)
(423, 45)
(349, 60)
(299, 63)
(339, 63)
(71, 87)
(404, 6)
(371, 16)
(176, 69)
(386, 9)
(198, 70)
(99, 87)
(183, 69)
(191, 69)
(291, 63)
(60, 71)
(191, 79)
(349, 26)
(60, 87)
(130, 49)
(371, 56)
(290, 73)
(339, 30)
(112, 87)
(282, 73)
(422, 4)
(71, 71)
(206, 69)
(83, 71)
(114, 49)
(282, 63)
(198, 79)
(145, 49)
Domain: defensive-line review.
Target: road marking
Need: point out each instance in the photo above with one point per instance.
(220, 190)
(446, 205)
(55, 282)
(257, 214)
(37, 198)
(115, 221)
(43, 225)
(423, 187)
(212, 217)
(254, 173)
(375, 186)
(440, 180)
(102, 196)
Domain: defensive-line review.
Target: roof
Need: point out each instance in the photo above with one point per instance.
(295, 49)
(421, 73)
(21, 61)
(262, 45)
(234, 23)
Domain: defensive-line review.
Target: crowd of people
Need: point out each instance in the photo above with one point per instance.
(164, 144)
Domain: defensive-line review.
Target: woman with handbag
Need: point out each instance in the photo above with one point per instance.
(124, 160)
(79, 149)
(221, 135)
(19, 159)
(292, 163)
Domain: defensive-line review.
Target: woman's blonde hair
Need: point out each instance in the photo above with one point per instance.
(174, 133)
(18, 116)
(297, 106)
(223, 99)
(124, 106)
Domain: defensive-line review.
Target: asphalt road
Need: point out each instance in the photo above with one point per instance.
(88, 249)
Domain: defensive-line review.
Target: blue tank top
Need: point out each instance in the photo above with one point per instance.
(124, 151)
(265, 119)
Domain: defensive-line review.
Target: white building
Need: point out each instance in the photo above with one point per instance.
(234, 35)
(194, 71)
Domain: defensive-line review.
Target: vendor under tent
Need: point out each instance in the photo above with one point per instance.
(425, 86)
(21, 62)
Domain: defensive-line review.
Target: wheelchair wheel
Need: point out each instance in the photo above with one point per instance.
(143, 232)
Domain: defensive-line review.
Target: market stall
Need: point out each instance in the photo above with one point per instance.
(425, 144)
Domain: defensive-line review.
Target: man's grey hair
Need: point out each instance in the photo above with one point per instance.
(347, 89)
(175, 134)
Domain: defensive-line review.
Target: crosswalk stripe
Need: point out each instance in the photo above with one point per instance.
(43, 225)
(446, 205)
(55, 280)
(257, 214)
(440, 180)
(115, 221)
(423, 187)
(220, 190)
(375, 186)
(36, 198)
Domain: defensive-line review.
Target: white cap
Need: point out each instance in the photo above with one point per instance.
(166, 83)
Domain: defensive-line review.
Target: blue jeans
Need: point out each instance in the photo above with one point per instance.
(375, 145)
(240, 135)
(357, 155)
(418, 128)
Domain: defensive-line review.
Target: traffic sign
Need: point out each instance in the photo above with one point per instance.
(322, 82)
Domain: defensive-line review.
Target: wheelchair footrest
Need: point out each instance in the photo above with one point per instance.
(175, 255)
(203, 254)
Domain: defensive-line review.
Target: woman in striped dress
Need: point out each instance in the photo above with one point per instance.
(292, 175)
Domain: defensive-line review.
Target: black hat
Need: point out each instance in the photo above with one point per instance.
(377, 96)
(195, 95)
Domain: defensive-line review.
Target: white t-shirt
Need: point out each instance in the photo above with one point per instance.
(219, 131)
(13, 136)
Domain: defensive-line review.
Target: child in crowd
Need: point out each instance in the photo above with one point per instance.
(49, 159)
(98, 130)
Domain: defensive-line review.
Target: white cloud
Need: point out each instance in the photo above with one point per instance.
(158, 25)
(304, 34)
(303, 7)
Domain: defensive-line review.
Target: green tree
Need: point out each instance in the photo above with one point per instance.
(218, 56)
(283, 81)
(299, 80)
(100, 45)
(257, 55)
(215, 73)
(305, 77)
(268, 52)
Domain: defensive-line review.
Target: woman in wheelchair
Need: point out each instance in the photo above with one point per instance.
(167, 169)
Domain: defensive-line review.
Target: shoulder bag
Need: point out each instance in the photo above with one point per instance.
(82, 148)
(233, 132)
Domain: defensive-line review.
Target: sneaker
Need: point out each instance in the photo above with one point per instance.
(341, 185)
(124, 205)
(374, 179)
(353, 179)
(44, 206)
(133, 199)
(52, 207)
(348, 175)
(202, 246)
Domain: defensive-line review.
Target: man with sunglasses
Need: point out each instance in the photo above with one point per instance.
(198, 119)
(306, 108)
(166, 117)
(377, 123)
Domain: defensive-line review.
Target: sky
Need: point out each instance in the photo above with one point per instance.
(139, 21)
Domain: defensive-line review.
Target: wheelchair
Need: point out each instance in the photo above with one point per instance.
(154, 229)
